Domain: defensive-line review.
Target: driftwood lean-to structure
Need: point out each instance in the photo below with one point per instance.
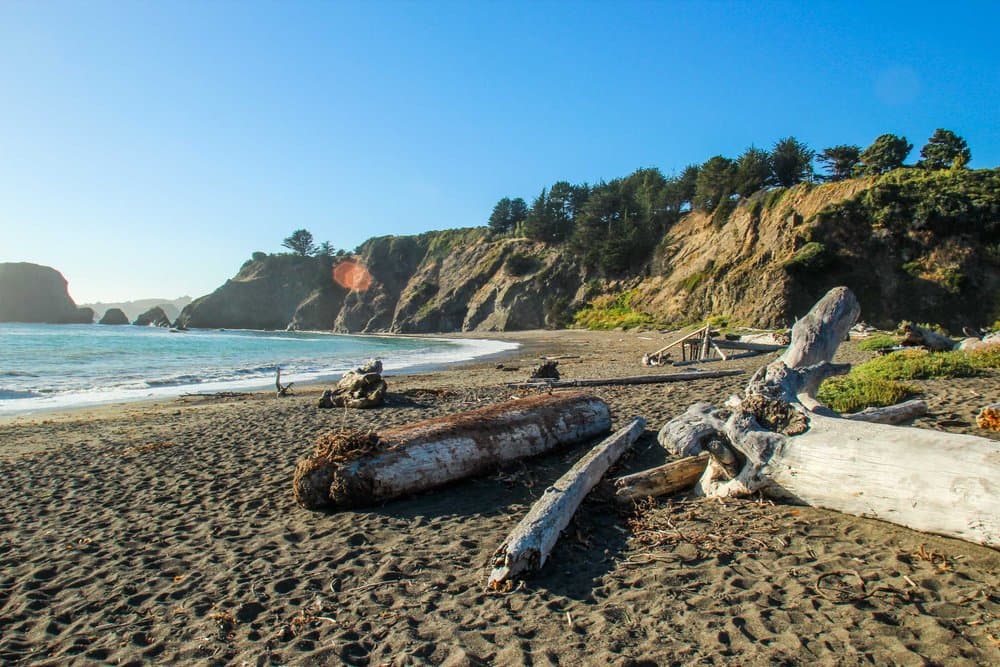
(779, 440)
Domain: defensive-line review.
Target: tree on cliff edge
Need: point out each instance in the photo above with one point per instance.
(300, 242)
(943, 150)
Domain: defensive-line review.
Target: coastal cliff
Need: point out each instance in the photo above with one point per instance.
(39, 294)
(911, 245)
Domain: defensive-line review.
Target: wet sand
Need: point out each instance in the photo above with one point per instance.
(166, 532)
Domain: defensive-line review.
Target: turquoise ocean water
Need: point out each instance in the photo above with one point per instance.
(61, 366)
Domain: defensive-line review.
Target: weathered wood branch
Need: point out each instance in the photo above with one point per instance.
(915, 335)
(730, 357)
(669, 478)
(891, 414)
(281, 389)
(528, 546)
(427, 454)
(753, 347)
(786, 445)
(636, 379)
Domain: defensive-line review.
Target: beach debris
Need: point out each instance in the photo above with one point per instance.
(528, 546)
(891, 414)
(360, 388)
(788, 445)
(989, 417)
(547, 370)
(635, 379)
(915, 335)
(356, 469)
(281, 389)
(664, 480)
(704, 346)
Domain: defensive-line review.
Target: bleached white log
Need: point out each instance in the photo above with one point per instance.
(428, 454)
(936, 482)
(663, 480)
(891, 414)
(530, 543)
(791, 446)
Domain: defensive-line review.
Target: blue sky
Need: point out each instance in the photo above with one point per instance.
(147, 149)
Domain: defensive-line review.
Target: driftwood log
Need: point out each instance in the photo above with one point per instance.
(281, 389)
(635, 379)
(530, 543)
(918, 336)
(892, 414)
(360, 388)
(785, 444)
(664, 480)
(433, 452)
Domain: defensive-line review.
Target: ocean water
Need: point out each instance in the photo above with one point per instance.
(45, 366)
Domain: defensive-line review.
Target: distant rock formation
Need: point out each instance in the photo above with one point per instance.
(114, 316)
(132, 309)
(154, 317)
(35, 293)
(275, 292)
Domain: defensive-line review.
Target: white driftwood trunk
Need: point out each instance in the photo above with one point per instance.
(430, 453)
(663, 480)
(789, 445)
(530, 543)
(936, 482)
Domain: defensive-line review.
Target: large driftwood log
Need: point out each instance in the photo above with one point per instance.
(786, 444)
(530, 543)
(663, 480)
(433, 452)
(635, 379)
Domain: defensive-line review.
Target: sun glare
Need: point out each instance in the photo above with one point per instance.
(352, 275)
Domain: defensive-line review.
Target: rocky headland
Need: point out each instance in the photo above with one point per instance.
(37, 294)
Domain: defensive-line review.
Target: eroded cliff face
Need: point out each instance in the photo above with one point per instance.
(912, 245)
(736, 266)
(35, 293)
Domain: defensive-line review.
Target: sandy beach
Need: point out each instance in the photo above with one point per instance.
(166, 532)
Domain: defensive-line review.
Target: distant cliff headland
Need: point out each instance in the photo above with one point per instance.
(35, 293)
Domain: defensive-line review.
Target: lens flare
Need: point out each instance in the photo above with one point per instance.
(352, 275)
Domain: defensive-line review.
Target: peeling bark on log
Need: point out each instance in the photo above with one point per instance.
(430, 453)
(788, 445)
(892, 414)
(664, 480)
(636, 379)
(530, 543)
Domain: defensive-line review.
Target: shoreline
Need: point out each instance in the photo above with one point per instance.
(92, 400)
(166, 533)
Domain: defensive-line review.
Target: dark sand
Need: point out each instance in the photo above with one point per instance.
(166, 532)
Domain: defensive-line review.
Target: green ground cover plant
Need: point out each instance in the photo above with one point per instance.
(610, 312)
